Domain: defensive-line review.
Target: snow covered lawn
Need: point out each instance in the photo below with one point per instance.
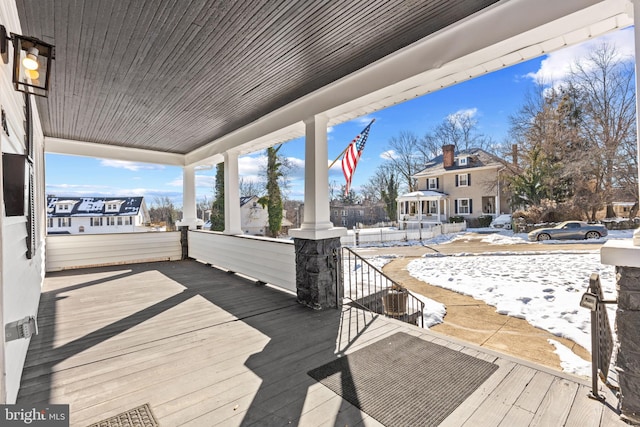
(542, 287)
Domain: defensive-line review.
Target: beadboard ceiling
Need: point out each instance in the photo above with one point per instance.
(173, 75)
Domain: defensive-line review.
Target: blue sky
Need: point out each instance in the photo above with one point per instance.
(491, 99)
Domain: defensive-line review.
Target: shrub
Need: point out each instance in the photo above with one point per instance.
(456, 219)
(485, 220)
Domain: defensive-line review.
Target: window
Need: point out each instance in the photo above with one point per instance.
(111, 220)
(64, 222)
(50, 222)
(344, 222)
(96, 222)
(128, 220)
(432, 207)
(463, 180)
(433, 184)
(344, 213)
(119, 220)
(463, 206)
(463, 161)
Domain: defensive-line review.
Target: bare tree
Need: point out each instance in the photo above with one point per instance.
(605, 82)
(404, 159)
(459, 129)
(249, 187)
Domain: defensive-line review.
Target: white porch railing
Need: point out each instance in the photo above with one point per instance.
(271, 261)
(90, 250)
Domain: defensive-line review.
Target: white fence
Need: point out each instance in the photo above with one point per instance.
(271, 261)
(371, 236)
(90, 250)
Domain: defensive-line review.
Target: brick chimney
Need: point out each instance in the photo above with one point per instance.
(448, 155)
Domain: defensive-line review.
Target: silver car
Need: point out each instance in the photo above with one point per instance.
(569, 230)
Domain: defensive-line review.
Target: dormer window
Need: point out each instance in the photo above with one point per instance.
(113, 206)
(463, 161)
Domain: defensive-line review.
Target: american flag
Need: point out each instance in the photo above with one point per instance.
(352, 155)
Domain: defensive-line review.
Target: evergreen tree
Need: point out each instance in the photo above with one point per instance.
(217, 207)
(273, 199)
(389, 196)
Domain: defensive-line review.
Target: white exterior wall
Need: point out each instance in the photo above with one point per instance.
(254, 219)
(21, 279)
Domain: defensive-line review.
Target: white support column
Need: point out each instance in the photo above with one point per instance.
(189, 211)
(316, 224)
(232, 223)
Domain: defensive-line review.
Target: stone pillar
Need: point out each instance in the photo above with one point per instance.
(626, 257)
(319, 273)
(627, 327)
(232, 223)
(184, 241)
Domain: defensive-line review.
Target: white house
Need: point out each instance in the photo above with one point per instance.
(93, 215)
(254, 218)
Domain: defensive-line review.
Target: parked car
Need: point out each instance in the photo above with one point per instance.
(501, 221)
(569, 230)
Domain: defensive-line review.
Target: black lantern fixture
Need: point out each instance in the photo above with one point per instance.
(31, 62)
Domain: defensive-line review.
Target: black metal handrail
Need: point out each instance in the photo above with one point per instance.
(366, 287)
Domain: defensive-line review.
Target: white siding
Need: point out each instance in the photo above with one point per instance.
(21, 278)
(77, 251)
(269, 260)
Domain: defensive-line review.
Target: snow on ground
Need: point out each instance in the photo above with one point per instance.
(545, 289)
(542, 287)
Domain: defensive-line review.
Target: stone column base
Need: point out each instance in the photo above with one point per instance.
(627, 327)
(319, 282)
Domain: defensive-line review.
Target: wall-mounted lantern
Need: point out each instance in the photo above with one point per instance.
(31, 62)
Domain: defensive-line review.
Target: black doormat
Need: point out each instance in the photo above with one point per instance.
(136, 417)
(405, 381)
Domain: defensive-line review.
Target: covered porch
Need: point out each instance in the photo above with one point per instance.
(196, 343)
(420, 209)
(200, 346)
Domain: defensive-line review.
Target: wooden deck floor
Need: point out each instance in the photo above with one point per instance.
(204, 347)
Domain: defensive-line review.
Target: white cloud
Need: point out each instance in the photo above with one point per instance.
(132, 166)
(364, 120)
(557, 65)
(467, 112)
(252, 167)
(388, 155)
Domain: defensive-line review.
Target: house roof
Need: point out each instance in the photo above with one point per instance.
(478, 158)
(246, 199)
(95, 206)
(184, 82)
(422, 195)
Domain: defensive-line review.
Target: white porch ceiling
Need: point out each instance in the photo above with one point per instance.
(181, 82)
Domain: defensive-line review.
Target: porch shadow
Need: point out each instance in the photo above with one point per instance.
(299, 339)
